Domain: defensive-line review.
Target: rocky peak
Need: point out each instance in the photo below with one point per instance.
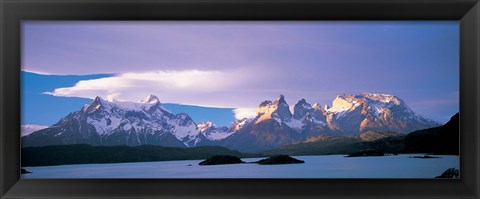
(203, 126)
(282, 111)
(278, 109)
(150, 99)
(385, 98)
(302, 101)
(317, 106)
(239, 124)
(96, 104)
(344, 102)
(265, 103)
(280, 100)
(301, 109)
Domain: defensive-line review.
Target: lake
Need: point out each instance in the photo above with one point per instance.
(324, 166)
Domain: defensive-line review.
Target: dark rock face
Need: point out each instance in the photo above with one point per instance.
(280, 159)
(311, 128)
(221, 159)
(261, 136)
(439, 140)
(365, 153)
(301, 109)
(24, 171)
(283, 112)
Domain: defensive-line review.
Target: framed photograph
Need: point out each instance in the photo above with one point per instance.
(239, 99)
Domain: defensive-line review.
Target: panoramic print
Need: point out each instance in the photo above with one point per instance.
(256, 99)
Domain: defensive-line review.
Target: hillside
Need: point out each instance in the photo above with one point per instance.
(86, 154)
(326, 145)
(439, 140)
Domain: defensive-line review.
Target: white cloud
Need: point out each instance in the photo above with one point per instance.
(192, 87)
(30, 128)
(241, 113)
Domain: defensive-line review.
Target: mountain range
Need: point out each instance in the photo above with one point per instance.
(437, 140)
(276, 126)
(442, 140)
(107, 123)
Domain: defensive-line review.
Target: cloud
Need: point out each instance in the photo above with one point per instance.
(241, 113)
(30, 128)
(192, 87)
(238, 88)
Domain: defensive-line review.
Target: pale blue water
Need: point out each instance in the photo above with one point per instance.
(329, 166)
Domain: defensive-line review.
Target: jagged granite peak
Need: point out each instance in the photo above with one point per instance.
(317, 106)
(94, 105)
(281, 100)
(301, 109)
(349, 115)
(275, 126)
(150, 99)
(283, 110)
(307, 114)
(277, 110)
(265, 103)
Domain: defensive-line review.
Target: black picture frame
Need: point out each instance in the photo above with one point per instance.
(14, 11)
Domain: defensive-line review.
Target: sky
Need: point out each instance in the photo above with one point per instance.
(233, 66)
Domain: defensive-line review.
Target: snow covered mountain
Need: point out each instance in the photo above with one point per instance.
(354, 114)
(239, 124)
(105, 122)
(275, 125)
(212, 132)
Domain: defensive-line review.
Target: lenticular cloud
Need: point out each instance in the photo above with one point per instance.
(194, 87)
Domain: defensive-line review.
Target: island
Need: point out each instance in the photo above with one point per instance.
(221, 159)
(228, 159)
(279, 159)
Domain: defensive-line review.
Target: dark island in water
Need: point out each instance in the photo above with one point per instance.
(280, 159)
(221, 159)
(228, 159)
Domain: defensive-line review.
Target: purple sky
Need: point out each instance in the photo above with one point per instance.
(240, 64)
